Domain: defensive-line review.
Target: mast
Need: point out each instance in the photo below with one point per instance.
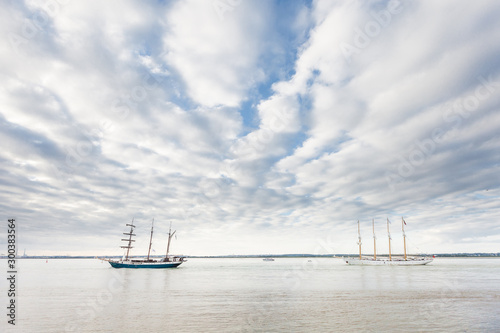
(151, 238)
(374, 241)
(359, 241)
(170, 235)
(404, 235)
(389, 235)
(129, 240)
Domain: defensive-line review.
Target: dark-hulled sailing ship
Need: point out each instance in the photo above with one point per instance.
(126, 261)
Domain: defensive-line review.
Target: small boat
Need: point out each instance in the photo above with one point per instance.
(126, 262)
(268, 259)
(372, 261)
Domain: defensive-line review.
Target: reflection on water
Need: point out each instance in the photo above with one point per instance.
(249, 295)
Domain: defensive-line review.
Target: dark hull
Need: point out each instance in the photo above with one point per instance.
(120, 264)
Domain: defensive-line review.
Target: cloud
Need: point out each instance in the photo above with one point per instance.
(216, 50)
(256, 126)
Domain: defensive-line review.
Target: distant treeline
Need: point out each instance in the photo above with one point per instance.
(266, 256)
(468, 255)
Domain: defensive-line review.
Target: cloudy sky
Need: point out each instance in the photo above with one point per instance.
(253, 126)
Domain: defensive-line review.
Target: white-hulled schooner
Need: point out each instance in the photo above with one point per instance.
(400, 261)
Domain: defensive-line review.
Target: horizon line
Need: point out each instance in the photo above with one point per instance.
(261, 255)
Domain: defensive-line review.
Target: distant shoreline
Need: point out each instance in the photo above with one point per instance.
(440, 255)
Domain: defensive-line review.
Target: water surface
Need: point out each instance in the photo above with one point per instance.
(250, 295)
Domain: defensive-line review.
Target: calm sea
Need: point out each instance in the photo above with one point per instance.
(250, 295)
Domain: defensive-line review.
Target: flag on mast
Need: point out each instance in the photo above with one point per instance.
(404, 221)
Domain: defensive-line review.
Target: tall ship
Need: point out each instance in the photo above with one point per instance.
(399, 261)
(126, 261)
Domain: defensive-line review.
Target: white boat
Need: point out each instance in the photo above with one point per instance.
(268, 259)
(394, 261)
(390, 261)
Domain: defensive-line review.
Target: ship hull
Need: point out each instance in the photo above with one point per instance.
(386, 262)
(128, 264)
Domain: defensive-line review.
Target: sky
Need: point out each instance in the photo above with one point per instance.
(253, 127)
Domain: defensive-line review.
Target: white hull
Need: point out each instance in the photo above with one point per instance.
(387, 262)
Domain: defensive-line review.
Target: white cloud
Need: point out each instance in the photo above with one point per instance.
(111, 110)
(216, 54)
